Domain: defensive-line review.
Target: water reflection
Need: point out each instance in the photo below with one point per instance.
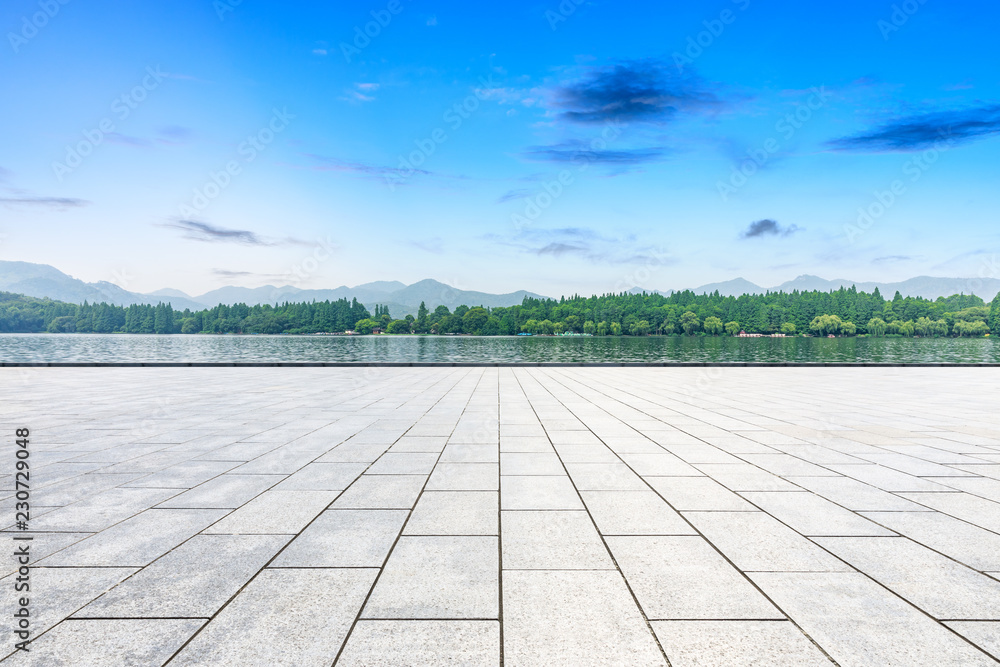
(177, 348)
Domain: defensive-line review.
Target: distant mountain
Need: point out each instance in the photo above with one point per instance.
(928, 287)
(42, 280)
(401, 299)
(734, 287)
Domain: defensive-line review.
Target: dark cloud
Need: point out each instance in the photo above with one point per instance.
(559, 249)
(580, 152)
(925, 130)
(323, 163)
(55, 202)
(127, 140)
(226, 273)
(638, 90)
(767, 227)
(202, 231)
(511, 195)
(585, 244)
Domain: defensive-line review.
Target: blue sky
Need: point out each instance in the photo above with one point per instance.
(580, 147)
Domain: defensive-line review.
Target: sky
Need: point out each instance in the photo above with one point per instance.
(582, 146)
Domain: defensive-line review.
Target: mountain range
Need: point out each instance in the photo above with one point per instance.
(42, 280)
(928, 287)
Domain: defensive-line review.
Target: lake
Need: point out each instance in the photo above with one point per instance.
(103, 348)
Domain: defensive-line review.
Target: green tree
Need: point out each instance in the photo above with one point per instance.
(398, 327)
(713, 326)
(474, 320)
(640, 328)
(365, 326)
(876, 326)
(994, 318)
(788, 328)
(732, 328)
(690, 322)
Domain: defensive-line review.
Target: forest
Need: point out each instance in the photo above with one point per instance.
(843, 312)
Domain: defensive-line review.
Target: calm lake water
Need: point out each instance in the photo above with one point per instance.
(205, 348)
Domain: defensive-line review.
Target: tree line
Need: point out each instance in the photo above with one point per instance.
(843, 312)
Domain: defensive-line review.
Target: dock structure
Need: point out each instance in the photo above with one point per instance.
(516, 516)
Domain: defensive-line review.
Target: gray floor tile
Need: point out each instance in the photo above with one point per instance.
(100, 642)
(683, 578)
(438, 578)
(193, 580)
(406, 643)
(382, 492)
(552, 541)
(860, 623)
(538, 493)
(932, 582)
(743, 643)
(226, 491)
(573, 619)
(634, 513)
(455, 513)
(275, 511)
(464, 477)
(297, 618)
(811, 515)
(344, 538)
(755, 541)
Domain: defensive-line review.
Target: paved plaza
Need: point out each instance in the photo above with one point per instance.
(515, 516)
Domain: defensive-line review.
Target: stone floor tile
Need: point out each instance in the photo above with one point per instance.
(857, 622)
(755, 541)
(531, 463)
(683, 578)
(382, 492)
(743, 643)
(811, 515)
(323, 477)
(548, 540)
(538, 493)
(604, 477)
(699, 493)
(455, 513)
(571, 619)
(297, 618)
(465, 477)
(225, 491)
(344, 538)
(406, 643)
(634, 513)
(193, 580)
(968, 544)
(274, 512)
(438, 578)
(938, 585)
(136, 542)
(101, 642)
